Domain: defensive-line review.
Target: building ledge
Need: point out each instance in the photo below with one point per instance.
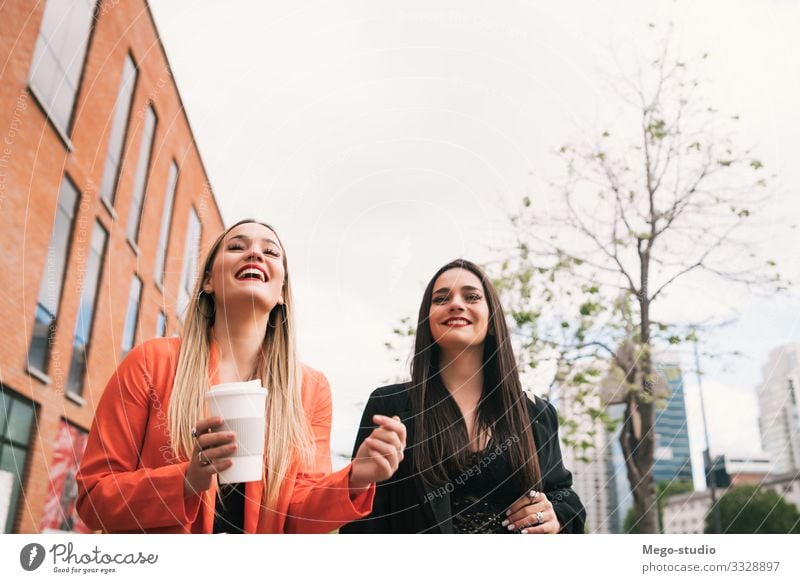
(75, 398)
(38, 375)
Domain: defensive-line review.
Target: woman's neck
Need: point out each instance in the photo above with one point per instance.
(239, 338)
(462, 376)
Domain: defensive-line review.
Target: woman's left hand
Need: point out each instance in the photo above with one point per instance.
(532, 514)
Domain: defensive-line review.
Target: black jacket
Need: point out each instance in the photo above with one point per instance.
(401, 504)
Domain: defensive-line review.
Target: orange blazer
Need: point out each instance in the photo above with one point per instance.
(130, 479)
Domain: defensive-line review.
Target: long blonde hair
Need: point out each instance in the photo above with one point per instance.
(288, 435)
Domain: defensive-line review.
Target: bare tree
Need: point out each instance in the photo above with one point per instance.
(665, 200)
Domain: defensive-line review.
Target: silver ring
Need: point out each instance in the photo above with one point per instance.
(539, 518)
(203, 458)
(533, 495)
(194, 432)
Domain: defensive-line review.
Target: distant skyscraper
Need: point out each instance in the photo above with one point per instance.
(673, 459)
(779, 414)
(590, 472)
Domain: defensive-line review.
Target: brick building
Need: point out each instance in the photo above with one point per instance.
(104, 208)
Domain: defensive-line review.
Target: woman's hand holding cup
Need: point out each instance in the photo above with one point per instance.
(209, 456)
(379, 455)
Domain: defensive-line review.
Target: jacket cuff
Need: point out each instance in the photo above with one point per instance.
(361, 505)
(190, 502)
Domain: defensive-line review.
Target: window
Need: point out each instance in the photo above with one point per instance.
(161, 325)
(140, 181)
(166, 218)
(119, 123)
(83, 326)
(132, 318)
(59, 507)
(16, 422)
(190, 260)
(53, 278)
(58, 57)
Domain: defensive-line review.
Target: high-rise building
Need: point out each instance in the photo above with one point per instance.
(673, 457)
(779, 412)
(104, 207)
(590, 465)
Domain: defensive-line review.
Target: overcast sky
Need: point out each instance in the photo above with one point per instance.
(383, 139)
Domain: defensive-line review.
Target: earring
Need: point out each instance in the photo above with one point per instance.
(285, 315)
(200, 304)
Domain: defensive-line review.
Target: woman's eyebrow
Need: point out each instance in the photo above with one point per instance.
(246, 238)
(463, 287)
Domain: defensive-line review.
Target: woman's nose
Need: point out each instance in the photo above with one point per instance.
(457, 305)
(255, 252)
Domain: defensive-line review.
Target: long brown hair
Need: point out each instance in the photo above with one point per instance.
(441, 449)
(288, 435)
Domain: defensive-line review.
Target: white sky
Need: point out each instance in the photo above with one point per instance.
(383, 139)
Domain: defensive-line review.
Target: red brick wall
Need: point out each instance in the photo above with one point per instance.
(33, 161)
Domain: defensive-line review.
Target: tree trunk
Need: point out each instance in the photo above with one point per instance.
(638, 431)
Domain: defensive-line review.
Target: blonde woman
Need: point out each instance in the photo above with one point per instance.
(152, 454)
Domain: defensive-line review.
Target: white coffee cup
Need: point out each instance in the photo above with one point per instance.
(242, 408)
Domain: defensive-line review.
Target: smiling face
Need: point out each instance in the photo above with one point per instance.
(459, 313)
(248, 269)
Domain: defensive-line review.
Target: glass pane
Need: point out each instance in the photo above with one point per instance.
(41, 339)
(57, 251)
(86, 309)
(129, 335)
(12, 496)
(76, 40)
(140, 181)
(118, 127)
(161, 325)
(77, 369)
(5, 410)
(20, 422)
(61, 105)
(166, 217)
(191, 251)
(46, 76)
(59, 55)
(67, 198)
(56, 15)
(12, 459)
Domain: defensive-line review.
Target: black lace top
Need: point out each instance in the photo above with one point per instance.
(229, 509)
(482, 492)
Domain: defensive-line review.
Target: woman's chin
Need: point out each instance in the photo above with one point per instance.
(250, 303)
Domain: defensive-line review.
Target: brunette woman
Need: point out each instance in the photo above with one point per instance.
(482, 457)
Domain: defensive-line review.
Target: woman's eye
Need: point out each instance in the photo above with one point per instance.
(235, 247)
(439, 300)
(272, 252)
(474, 297)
